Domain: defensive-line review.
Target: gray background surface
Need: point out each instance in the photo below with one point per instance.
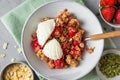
(11, 52)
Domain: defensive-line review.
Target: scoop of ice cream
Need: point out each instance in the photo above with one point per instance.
(53, 49)
(44, 30)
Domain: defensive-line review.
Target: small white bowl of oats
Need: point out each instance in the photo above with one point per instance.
(17, 71)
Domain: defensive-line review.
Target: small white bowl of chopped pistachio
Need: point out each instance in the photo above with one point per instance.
(17, 71)
(108, 67)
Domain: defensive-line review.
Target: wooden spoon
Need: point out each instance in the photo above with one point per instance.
(104, 35)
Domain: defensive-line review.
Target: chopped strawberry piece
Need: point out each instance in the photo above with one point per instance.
(107, 2)
(65, 52)
(75, 51)
(65, 48)
(35, 45)
(71, 32)
(108, 13)
(59, 63)
(102, 3)
(119, 1)
(72, 47)
(117, 17)
(75, 42)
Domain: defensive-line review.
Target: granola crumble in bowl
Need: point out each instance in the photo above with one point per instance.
(60, 44)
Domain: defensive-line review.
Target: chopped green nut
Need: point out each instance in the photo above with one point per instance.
(109, 65)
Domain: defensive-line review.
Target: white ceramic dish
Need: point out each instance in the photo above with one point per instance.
(90, 24)
(103, 77)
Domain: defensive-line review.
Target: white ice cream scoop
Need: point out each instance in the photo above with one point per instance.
(44, 30)
(53, 49)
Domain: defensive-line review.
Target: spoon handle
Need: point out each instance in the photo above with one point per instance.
(105, 35)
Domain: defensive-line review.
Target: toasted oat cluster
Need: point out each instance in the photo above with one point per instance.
(69, 33)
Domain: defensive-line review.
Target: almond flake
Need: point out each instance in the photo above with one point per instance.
(5, 45)
(19, 50)
(15, 46)
(2, 55)
(82, 45)
(90, 50)
(13, 60)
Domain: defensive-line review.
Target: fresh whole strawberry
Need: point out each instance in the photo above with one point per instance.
(119, 1)
(108, 13)
(117, 16)
(107, 2)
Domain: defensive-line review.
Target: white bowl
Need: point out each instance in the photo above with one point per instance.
(103, 77)
(110, 24)
(90, 24)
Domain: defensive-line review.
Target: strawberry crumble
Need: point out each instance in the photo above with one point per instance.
(65, 40)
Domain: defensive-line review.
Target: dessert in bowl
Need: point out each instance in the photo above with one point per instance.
(90, 26)
(59, 41)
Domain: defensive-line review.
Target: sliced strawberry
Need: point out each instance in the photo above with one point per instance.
(71, 32)
(35, 45)
(59, 63)
(108, 13)
(75, 42)
(107, 2)
(117, 17)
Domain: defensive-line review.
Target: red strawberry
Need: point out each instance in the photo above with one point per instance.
(119, 1)
(35, 45)
(59, 63)
(71, 32)
(108, 13)
(76, 43)
(107, 2)
(117, 17)
(102, 3)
